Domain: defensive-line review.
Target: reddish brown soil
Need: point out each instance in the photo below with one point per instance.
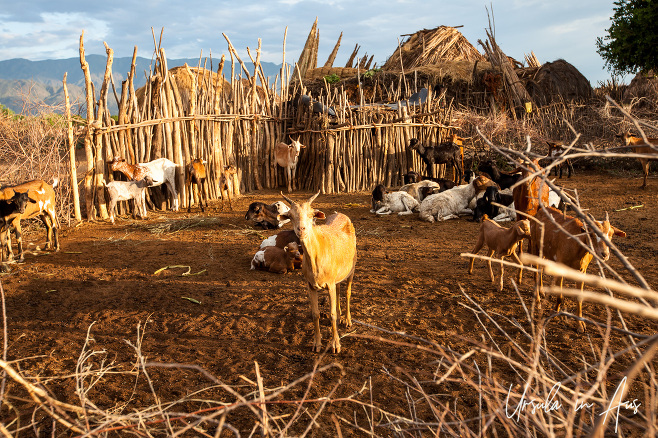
(408, 279)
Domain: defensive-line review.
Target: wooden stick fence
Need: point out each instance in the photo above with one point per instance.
(190, 112)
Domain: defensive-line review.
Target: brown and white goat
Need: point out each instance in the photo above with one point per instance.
(566, 240)
(286, 156)
(278, 260)
(501, 241)
(227, 175)
(161, 171)
(195, 174)
(329, 259)
(639, 146)
(44, 207)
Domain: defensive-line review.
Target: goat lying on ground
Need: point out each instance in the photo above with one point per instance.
(278, 260)
(503, 179)
(195, 174)
(267, 216)
(448, 204)
(161, 171)
(396, 202)
(414, 188)
(125, 191)
(445, 153)
(229, 171)
(485, 205)
(44, 207)
(641, 147)
(281, 239)
(329, 259)
(503, 242)
(286, 156)
(565, 240)
(377, 196)
(555, 150)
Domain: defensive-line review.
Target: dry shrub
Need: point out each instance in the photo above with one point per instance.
(35, 146)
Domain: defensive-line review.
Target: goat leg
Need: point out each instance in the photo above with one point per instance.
(315, 314)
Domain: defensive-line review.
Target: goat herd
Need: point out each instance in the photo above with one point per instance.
(326, 253)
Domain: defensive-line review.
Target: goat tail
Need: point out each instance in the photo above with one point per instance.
(55, 182)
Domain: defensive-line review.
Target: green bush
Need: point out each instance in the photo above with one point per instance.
(332, 78)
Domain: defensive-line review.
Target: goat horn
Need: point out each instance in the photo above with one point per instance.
(312, 198)
(290, 201)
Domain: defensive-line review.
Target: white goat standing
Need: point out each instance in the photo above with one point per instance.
(329, 258)
(127, 190)
(287, 156)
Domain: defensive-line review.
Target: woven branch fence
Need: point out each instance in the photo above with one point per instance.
(186, 113)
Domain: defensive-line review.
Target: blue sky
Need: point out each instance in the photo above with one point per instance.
(553, 29)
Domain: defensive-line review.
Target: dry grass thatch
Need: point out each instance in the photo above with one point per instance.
(430, 47)
(319, 73)
(184, 77)
(643, 89)
(555, 81)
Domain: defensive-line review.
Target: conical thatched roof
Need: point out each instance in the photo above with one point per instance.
(430, 47)
(644, 86)
(558, 80)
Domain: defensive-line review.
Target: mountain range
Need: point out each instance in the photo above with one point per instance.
(25, 84)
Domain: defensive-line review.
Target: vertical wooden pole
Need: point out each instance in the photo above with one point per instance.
(72, 166)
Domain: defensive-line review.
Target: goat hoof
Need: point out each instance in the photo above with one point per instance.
(581, 327)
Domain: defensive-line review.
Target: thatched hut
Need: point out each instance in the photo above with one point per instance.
(432, 47)
(556, 81)
(643, 89)
(185, 77)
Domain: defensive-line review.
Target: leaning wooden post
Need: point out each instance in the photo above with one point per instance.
(254, 121)
(89, 191)
(72, 168)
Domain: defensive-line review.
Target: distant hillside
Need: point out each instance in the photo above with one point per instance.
(42, 80)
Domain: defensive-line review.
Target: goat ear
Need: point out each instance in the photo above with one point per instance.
(283, 217)
(318, 214)
(32, 201)
(618, 232)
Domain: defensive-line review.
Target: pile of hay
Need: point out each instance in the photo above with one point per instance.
(431, 47)
(556, 81)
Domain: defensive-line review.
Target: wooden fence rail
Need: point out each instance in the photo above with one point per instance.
(190, 112)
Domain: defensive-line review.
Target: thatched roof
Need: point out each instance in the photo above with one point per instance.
(644, 86)
(184, 75)
(556, 80)
(430, 47)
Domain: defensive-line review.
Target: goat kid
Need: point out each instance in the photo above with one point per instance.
(329, 259)
(125, 191)
(639, 146)
(195, 174)
(278, 260)
(227, 175)
(501, 241)
(161, 171)
(286, 156)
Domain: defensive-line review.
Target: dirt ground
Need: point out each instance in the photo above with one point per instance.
(224, 317)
